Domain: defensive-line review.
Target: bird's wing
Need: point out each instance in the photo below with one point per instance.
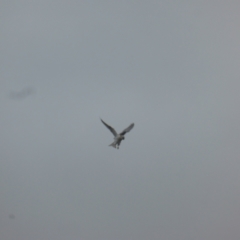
(128, 129)
(110, 128)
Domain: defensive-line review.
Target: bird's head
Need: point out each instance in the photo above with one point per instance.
(121, 137)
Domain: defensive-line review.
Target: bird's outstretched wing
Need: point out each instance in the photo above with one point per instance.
(110, 128)
(128, 129)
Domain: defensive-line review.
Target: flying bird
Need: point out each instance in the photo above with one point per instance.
(22, 94)
(118, 137)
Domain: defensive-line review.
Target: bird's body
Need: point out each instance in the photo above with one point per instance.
(118, 137)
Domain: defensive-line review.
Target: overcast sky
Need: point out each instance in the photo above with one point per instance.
(172, 68)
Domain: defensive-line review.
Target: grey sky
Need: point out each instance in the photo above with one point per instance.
(172, 68)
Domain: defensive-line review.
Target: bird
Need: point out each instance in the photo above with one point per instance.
(22, 94)
(118, 137)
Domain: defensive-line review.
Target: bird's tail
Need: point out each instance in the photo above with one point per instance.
(113, 145)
